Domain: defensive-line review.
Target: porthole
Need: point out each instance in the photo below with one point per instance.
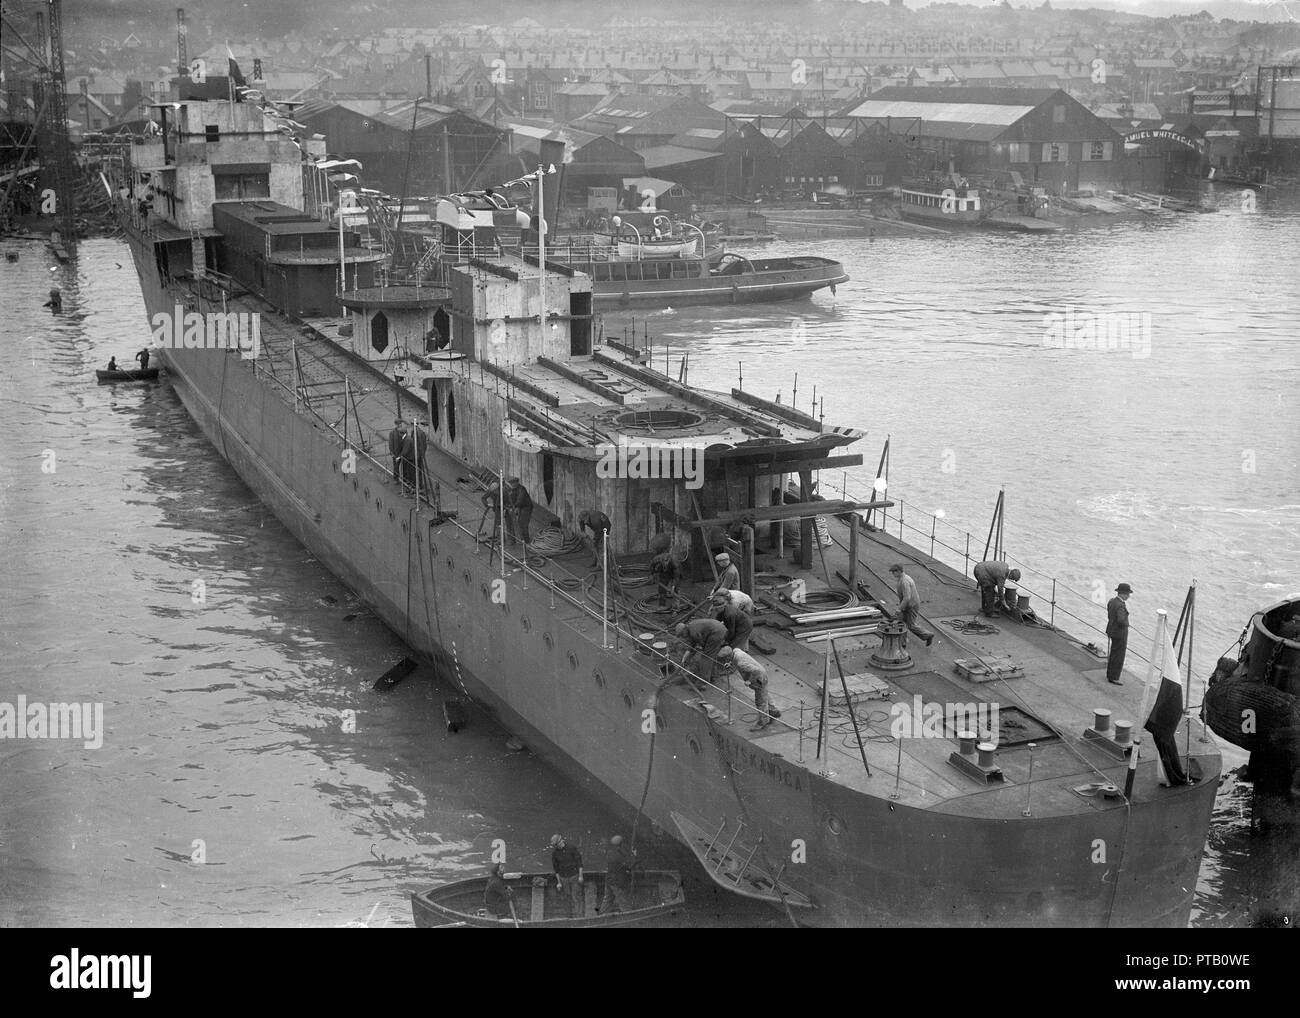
(355, 485)
(487, 594)
(433, 549)
(694, 744)
(390, 516)
(600, 679)
(450, 563)
(573, 661)
(379, 505)
(528, 626)
(660, 724)
(367, 494)
(467, 576)
(627, 699)
(390, 519)
(547, 639)
(335, 466)
(834, 824)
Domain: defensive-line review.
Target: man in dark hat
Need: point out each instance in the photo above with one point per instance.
(566, 861)
(143, 358)
(1117, 630)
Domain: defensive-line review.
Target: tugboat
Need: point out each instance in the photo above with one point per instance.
(1253, 700)
(647, 259)
(804, 800)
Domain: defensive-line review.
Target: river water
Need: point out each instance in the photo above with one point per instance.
(137, 570)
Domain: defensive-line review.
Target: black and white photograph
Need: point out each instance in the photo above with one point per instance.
(578, 464)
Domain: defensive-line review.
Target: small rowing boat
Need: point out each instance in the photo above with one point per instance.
(538, 902)
(138, 375)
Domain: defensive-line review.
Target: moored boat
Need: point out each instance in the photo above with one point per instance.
(539, 903)
(119, 375)
(941, 206)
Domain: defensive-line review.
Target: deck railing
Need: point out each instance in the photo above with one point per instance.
(921, 530)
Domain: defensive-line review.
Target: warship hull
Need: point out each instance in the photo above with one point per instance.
(859, 857)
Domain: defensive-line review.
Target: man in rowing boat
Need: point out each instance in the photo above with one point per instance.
(112, 364)
(618, 878)
(497, 895)
(566, 861)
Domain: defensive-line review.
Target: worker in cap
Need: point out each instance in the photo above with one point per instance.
(728, 574)
(519, 510)
(1117, 632)
(755, 677)
(909, 603)
(704, 637)
(992, 579)
(566, 862)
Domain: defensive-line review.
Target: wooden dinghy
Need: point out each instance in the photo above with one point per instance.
(538, 903)
(147, 375)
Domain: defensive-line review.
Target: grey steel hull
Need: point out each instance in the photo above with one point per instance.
(579, 708)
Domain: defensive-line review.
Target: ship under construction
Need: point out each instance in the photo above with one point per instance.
(824, 813)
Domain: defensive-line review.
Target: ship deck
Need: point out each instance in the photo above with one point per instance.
(1052, 704)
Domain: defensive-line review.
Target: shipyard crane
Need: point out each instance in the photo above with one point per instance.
(49, 93)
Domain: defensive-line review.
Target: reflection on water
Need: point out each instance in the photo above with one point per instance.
(225, 713)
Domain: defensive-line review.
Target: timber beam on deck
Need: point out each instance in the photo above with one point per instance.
(578, 378)
(786, 413)
(654, 380)
(769, 514)
(557, 433)
(792, 465)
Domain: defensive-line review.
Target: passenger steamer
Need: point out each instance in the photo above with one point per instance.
(821, 814)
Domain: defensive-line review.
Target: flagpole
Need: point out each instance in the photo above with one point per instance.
(1162, 620)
